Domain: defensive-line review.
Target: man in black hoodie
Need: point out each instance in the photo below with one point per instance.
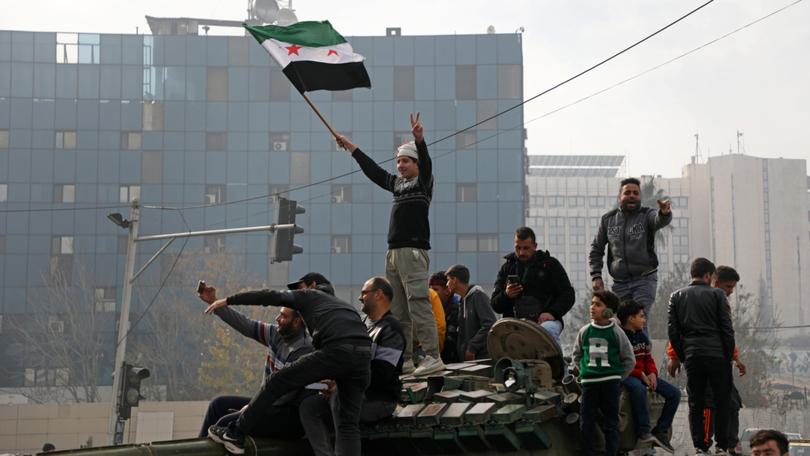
(533, 285)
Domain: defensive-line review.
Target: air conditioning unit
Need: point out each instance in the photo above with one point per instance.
(57, 326)
(279, 146)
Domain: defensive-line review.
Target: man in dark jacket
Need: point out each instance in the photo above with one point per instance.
(406, 263)
(286, 341)
(701, 334)
(533, 285)
(387, 345)
(342, 352)
(629, 233)
(475, 316)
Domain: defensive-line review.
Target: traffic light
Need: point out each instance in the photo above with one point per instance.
(130, 389)
(283, 247)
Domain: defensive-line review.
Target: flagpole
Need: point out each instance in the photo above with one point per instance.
(320, 116)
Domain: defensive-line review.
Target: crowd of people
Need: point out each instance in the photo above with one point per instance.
(328, 369)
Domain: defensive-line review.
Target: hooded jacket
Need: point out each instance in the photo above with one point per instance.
(545, 287)
(475, 317)
(630, 237)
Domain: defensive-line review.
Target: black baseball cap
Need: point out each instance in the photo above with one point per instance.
(316, 277)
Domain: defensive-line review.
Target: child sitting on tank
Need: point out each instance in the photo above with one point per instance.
(644, 377)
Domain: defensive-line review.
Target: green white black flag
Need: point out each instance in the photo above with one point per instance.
(313, 55)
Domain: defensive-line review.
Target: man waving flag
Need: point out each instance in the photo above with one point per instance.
(314, 56)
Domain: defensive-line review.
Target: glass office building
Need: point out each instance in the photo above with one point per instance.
(89, 120)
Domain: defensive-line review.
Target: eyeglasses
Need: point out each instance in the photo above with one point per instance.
(365, 292)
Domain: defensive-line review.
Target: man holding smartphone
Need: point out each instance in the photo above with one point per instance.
(286, 341)
(533, 285)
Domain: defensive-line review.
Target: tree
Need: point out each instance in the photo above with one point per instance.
(193, 356)
(62, 339)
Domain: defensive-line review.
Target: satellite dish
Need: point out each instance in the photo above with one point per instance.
(286, 17)
(265, 10)
(491, 29)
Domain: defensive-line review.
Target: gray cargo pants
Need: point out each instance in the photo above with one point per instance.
(407, 270)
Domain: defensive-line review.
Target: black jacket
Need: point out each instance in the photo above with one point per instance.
(700, 323)
(630, 240)
(545, 286)
(387, 346)
(329, 319)
(408, 225)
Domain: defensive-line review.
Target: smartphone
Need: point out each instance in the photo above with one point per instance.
(512, 278)
(200, 286)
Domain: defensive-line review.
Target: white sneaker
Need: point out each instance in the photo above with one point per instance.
(408, 367)
(429, 365)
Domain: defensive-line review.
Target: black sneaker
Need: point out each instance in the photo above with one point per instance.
(229, 436)
(661, 440)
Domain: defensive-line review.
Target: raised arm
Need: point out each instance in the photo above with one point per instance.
(424, 162)
(369, 167)
(663, 216)
(248, 327)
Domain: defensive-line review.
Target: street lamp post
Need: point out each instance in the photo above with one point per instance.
(116, 422)
(130, 275)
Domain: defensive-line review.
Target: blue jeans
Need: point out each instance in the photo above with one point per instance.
(641, 412)
(640, 289)
(602, 396)
(554, 327)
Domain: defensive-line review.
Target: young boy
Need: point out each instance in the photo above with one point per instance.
(604, 356)
(645, 376)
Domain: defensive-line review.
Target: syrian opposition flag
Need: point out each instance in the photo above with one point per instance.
(313, 55)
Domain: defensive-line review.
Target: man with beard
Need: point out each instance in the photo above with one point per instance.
(629, 233)
(342, 353)
(387, 346)
(533, 285)
(286, 341)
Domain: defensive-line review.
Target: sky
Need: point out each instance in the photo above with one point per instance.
(756, 81)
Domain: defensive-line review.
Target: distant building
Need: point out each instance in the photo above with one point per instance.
(568, 195)
(753, 215)
(747, 212)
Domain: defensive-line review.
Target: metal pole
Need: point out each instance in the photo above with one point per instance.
(117, 424)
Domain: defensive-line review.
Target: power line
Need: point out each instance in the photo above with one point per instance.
(162, 284)
(498, 114)
(61, 209)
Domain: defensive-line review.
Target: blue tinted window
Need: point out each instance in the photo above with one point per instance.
(22, 77)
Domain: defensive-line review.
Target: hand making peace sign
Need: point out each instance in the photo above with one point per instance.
(416, 128)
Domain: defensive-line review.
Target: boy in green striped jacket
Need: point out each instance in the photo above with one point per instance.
(605, 357)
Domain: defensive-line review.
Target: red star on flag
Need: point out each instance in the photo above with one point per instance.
(331, 52)
(293, 49)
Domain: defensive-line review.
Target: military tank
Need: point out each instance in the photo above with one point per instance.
(517, 402)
